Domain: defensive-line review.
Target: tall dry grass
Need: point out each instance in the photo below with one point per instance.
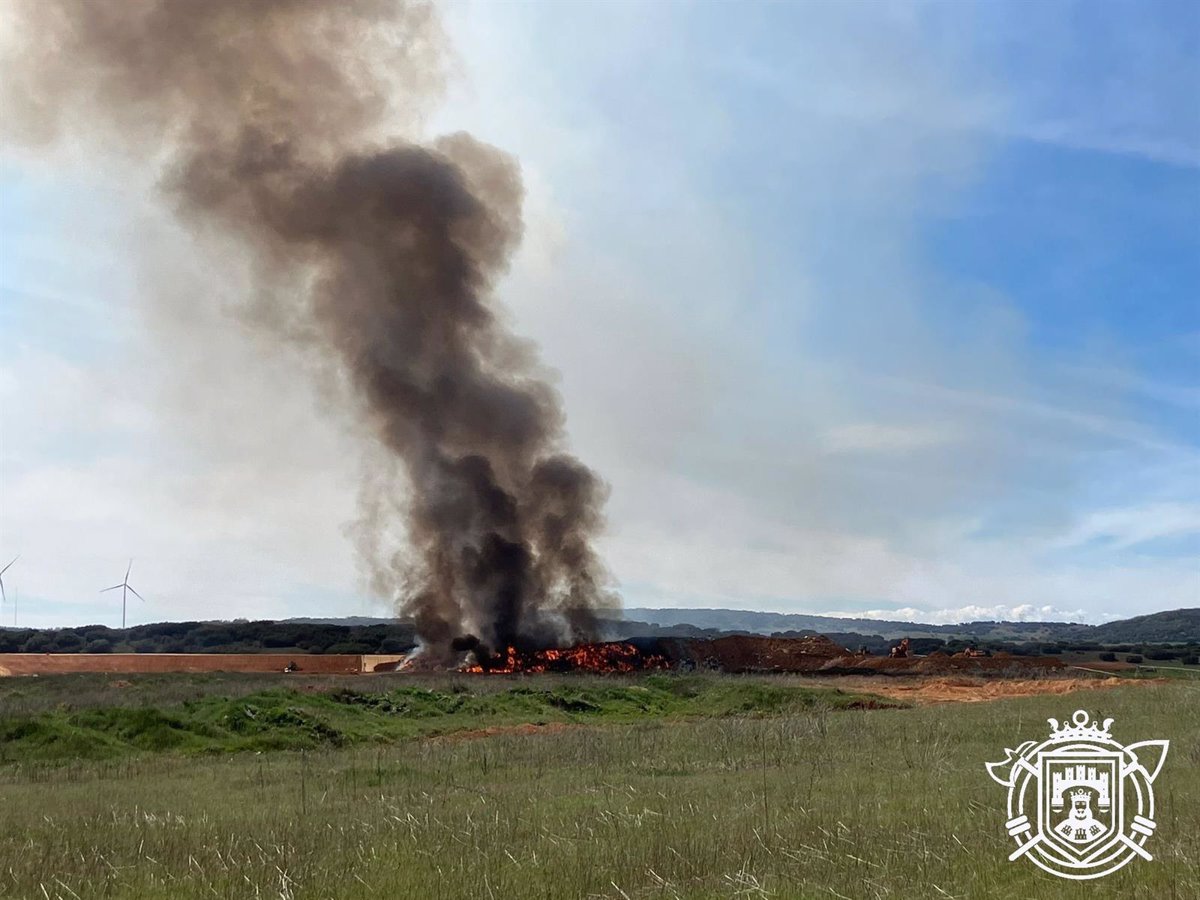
(847, 804)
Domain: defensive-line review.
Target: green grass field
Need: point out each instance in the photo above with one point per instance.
(653, 787)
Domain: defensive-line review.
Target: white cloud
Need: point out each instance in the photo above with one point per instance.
(957, 615)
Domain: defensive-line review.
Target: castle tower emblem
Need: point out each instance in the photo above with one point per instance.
(1080, 805)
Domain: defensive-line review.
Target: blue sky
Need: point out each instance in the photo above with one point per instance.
(882, 308)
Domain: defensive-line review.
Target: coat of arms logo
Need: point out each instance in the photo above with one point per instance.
(1080, 805)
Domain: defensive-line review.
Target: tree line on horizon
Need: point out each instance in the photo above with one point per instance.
(266, 636)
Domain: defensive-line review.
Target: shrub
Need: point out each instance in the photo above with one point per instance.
(1133, 658)
(1192, 660)
(40, 642)
(1108, 656)
(67, 642)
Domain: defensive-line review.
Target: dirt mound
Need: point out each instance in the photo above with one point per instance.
(998, 663)
(742, 653)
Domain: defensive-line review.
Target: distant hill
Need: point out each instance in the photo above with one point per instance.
(640, 621)
(1174, 626)
(1180, 625)
(1171, 626)
(769, 623)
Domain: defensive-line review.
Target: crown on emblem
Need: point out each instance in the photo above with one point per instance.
(1079, 794)
(1081, 727)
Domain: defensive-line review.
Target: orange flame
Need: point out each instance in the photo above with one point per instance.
(603, 658)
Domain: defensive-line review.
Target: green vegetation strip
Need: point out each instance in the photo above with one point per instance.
(289, 719)
(859, 805)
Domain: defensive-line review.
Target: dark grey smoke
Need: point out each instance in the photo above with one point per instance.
(265, 116)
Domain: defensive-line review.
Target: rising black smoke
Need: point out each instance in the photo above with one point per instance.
(265, 117)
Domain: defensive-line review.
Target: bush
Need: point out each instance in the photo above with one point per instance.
(1192, 660)
(1108, 656)
(67, 642)
(40, 642)
(1133, 658)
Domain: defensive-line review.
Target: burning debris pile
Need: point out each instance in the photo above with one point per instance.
(736, 654)
(615, 657)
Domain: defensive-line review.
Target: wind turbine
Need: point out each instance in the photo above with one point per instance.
(125, 591)
(3, 595)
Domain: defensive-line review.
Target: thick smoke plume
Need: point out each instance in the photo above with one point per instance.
(265, 116)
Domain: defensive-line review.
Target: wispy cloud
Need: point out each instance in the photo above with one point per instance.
(1118, 529)
(878, 437)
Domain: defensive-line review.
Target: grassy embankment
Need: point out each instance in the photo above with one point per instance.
(69, 718)
(748, 795)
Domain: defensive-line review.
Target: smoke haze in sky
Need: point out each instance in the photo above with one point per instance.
(378, 257)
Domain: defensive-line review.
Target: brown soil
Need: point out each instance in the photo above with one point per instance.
(741, 653)
(1102, 666)
(924, 690)
(944, 665)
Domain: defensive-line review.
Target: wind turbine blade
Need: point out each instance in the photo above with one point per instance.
(9, 566)
(136, 594)
(128, 570)
(3, 596)
(113, 588)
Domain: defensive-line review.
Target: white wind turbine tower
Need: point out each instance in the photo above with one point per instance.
(3, 595)
(125, 591)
